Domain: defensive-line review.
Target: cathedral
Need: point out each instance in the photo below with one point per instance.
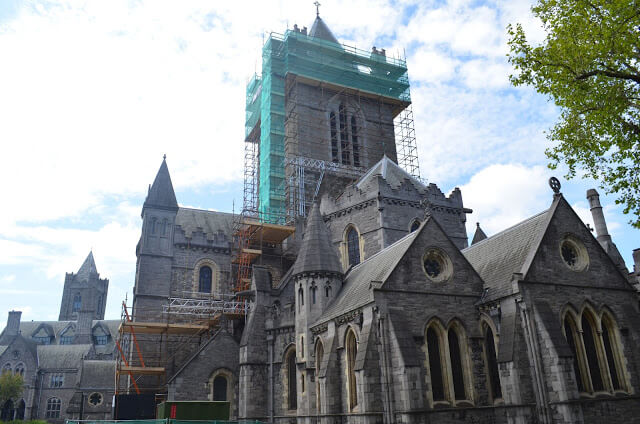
(365, 302)
(346, 290)
(67, 365)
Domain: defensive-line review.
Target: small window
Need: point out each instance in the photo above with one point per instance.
(313, 292)
(95, 399)
(101, 339)
(43, 340)
(220, 388)
(56, 381)
(20, 369)
(206, 276)
(77, 302)
(292, 389)
(7, 368)
(327, 290)
(414, 226)
(53, 408)
(300, 298)
(352, 352)
(353, 246)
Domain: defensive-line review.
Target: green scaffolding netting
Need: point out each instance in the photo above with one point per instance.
(320, 60)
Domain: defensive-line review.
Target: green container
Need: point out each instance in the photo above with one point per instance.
(193, 410)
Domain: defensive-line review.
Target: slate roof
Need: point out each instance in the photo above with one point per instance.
(98, 374)
(320, 30)
(356, 290)
(316, 251)
(392, 173)
(27, 328)
(161, 194)
(61, 357)
(496, 258)
(88, 267)
(209, 222)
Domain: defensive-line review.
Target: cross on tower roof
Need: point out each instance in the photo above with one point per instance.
(317, 4)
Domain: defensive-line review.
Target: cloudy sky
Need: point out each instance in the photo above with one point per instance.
(93, 93)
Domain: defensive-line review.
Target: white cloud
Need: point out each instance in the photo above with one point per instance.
(503, 195)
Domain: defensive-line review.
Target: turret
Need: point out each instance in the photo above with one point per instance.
(82, 287)
(155, 248)
(317, 278)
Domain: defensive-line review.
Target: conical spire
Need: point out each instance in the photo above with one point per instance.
(88, 267)
(161, 194)
(320, 30)
(479, 235)
(317, 253)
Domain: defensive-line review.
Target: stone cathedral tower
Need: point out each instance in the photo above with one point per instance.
(320, 110)
(83, 289)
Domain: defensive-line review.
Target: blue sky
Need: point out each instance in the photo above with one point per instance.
(93, 93)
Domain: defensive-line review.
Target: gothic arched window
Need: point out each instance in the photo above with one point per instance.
(292, 390)
(353, 246)
(300, 298)
(204, 283)
(492, 363)
(53, 408)
(435, 365)
(572, 340)
(354, 141)
(77, 302)
(334, 138)
(352, 351)
(588, 336)
(20, 369)
(314, 289)
(456, 365)
(609, 340)
(220, 388)
(327, 289)
(344, 136)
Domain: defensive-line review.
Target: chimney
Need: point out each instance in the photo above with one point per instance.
(13, 323)
(602, 234)
(636, 265)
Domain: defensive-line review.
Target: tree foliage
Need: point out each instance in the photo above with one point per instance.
(10, 386)
(589, 65)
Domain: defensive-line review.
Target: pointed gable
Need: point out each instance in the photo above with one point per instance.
(161, 194)
(320, 30)
(479, 234)
(317, 253)
(392, 173)
(87, 269)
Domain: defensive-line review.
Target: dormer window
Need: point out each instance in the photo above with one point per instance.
(66, 338)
